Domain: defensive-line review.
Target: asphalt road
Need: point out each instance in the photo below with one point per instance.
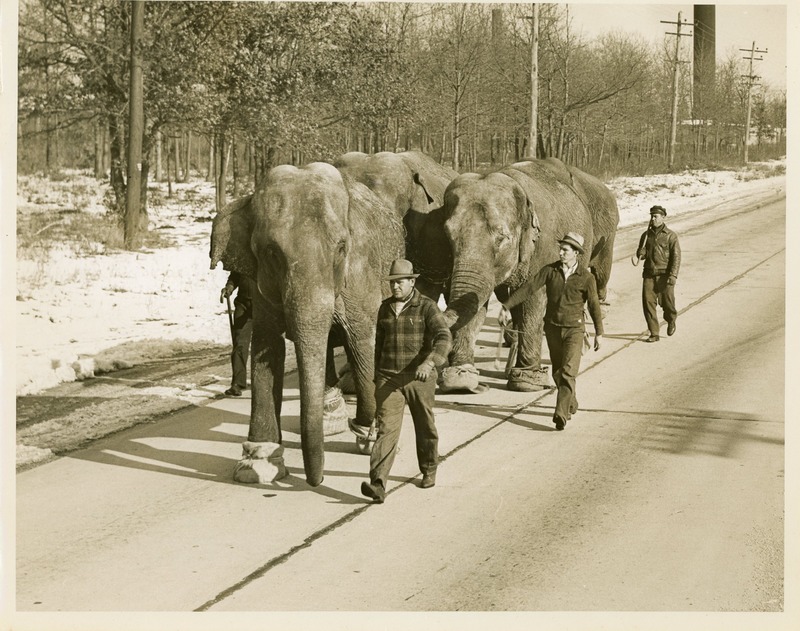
(664, 494)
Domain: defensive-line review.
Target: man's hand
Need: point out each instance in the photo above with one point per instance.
(424, 370)
(225, 293)
(597, 339)
(504, 317)
(671, 280)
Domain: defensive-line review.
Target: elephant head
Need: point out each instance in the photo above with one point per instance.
(292, 236)
(492, 230)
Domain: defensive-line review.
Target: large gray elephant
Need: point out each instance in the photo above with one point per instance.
(492, 232)
(317, 242)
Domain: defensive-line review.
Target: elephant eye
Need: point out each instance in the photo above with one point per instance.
(502, 239)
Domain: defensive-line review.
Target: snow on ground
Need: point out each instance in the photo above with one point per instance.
(72, 308)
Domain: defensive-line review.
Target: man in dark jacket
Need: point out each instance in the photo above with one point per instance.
(661, 251)
(241, 329)
(411, 339)
(568, 286)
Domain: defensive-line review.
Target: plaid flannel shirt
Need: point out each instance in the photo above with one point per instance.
(417, 334)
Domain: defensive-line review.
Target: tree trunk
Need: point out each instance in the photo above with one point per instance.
(187, 160)
(135, 125)
(116, 176)
(159, 166)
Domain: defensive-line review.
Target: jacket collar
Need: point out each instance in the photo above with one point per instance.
(579, 269)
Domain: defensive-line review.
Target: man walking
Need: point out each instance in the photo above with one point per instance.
(568, 286)
(412, 338)
(661, 251)
(241, 329)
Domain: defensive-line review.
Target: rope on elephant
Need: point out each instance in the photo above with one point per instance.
(512, 352)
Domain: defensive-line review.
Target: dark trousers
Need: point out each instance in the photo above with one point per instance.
(565, 345)
(656, 291)
(392, 392)
(240, 351)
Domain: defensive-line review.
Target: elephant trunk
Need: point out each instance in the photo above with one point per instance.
(470, 288)
(310, 332)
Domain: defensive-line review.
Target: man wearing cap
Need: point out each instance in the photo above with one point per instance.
(411, 339)
(661, 251)
(568, 285)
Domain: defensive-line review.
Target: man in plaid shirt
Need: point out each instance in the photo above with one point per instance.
(411, 340)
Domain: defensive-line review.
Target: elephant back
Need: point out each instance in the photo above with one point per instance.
(557, 205)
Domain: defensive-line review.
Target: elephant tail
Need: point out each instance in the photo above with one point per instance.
(598, 247)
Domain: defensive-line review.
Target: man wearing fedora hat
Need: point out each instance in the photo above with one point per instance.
(568, 286)
(411, 339)
(661, 251)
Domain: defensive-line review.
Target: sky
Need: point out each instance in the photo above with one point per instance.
(737, 26)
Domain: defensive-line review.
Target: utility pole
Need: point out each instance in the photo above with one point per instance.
(751, 79)
(532, 136)
(675, 76)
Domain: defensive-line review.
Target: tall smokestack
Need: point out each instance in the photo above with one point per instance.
(704, 46)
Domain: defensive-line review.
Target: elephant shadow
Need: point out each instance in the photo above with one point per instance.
(181, 446)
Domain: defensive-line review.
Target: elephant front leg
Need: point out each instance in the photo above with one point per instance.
(361, 355)
(462, 375)
(528, 373)
(262, 454)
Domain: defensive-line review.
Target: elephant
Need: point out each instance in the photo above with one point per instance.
(411, 182)
(495, 230)
(317, 243)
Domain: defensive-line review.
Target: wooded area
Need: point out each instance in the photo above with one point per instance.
(231, 89)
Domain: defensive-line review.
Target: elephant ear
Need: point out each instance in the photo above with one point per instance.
(230, 238)
(529, 225)
(419, 181)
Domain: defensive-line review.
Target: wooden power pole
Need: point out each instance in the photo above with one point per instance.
(135, 127)
(751, 79)
(675, 78)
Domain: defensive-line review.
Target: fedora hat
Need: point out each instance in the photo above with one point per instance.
(401, 268)
(660, 210)
(573, 239)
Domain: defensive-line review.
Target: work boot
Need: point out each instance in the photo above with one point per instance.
(671, 328)
(428, 480)
(652, 338)
(373, 491)
(234, 391)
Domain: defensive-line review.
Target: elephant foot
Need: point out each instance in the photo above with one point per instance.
(261, 463)
(463, 378)
(334, 412)
(528, 380)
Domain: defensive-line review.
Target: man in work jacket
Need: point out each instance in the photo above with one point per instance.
(412, 338)
(661, 251)
(568, 286)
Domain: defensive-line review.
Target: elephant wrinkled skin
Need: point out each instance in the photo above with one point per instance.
(493, 231)
(317, 242)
